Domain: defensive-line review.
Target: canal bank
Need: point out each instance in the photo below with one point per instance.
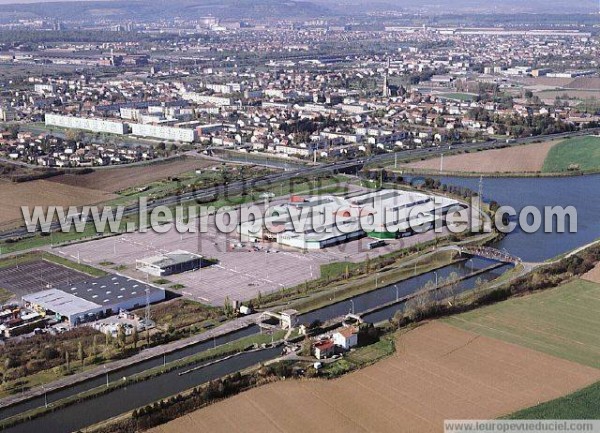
(157, 356)
(141, 393)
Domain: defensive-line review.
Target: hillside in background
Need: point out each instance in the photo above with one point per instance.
(143, 10)
(162, 9)
(464, 6)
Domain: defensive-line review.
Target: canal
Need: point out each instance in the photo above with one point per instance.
(138, 394)
(580, 192)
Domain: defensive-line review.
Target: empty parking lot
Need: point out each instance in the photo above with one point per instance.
(243, 269)
(33, 276)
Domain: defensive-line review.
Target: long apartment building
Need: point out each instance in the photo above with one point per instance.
(87, 124)
(169, 133)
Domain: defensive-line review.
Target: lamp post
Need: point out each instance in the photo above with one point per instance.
(45, 396)
(436, 278)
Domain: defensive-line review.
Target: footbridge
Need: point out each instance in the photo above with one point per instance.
(488, 253)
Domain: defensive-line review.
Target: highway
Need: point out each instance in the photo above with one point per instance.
(209, 194)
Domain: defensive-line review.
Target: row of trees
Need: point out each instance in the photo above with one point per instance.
(425, 306)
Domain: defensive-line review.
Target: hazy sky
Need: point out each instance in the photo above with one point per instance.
(6, 2)
(589, 4)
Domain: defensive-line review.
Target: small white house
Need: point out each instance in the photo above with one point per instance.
(346, 337)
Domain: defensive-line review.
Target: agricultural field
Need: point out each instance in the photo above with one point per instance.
(562, 322)
(569, 93)
(438, 372)
(43, 193)
(120, 178)
(527, 158)
(546, 82)
(582, 153)
(582, 404)
(593, 275)
(589, 83)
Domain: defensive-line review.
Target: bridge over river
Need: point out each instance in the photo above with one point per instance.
(487, 253)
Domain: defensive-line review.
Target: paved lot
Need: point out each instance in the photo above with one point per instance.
(31, 277)
(244, 269)
(241, 272)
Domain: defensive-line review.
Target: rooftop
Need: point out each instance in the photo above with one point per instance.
(170, 259)
(324, 345)
(108, 290)
(347, 331)
(61, 302)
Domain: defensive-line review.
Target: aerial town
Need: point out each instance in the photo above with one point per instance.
(335, 216)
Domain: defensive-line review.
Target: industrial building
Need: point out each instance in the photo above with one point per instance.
(92, 299)
(332, 220)
(87, 124)
(174, 262)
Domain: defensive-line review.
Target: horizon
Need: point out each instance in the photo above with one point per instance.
(387, 204)
(531, 6)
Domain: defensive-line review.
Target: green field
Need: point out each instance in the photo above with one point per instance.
(582, 404)
(459, 96)
(361, 357)
(583, 152)
(562, 322)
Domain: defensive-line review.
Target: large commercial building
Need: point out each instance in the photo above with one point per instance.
(324, 221)
(92, 299)
(86, 123)
(174, 262)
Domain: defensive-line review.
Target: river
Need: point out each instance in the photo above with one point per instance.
(582, 192)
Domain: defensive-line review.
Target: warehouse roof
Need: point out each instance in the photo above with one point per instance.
(61, 302)
(108, 290)
(170, 259)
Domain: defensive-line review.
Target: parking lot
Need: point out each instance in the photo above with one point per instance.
(243, 270)
(30, 277)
